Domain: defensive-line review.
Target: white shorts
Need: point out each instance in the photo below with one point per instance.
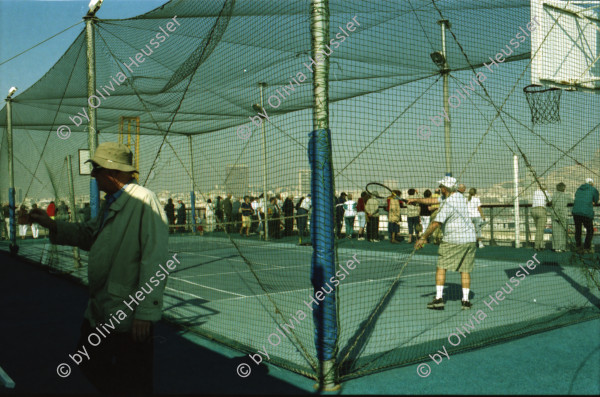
(362, 219)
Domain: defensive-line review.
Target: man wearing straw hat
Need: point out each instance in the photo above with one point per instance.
(126, 241)
(457, 250)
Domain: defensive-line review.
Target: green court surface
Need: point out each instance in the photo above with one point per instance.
(561, 361)
(241, 296)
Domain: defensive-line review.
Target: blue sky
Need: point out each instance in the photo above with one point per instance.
(399, 154)
(25, 23)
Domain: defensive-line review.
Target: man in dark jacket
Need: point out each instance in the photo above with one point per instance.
(181, 215)
(5, 222)
(170, 211)
(583, 214)
(288, 213)
(228, 210)
(236, 213)
(219, 212)
(339, 215)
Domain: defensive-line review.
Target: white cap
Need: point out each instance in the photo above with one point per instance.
(448, 181)
(589, 180)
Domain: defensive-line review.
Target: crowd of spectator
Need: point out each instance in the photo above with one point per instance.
(246, 216)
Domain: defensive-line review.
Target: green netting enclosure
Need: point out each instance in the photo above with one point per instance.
(225, 98)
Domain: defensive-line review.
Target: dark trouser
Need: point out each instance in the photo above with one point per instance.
(3, 229)
(339, 219)
(254, 224)
(373, 228)
(238, 221)
(588, 223)
(117, 365)
(219, 218)
(413, 221)
(349, 225)
(274, 227)
(302, 220)
(229, 221)
(393, 230)
(289, 224)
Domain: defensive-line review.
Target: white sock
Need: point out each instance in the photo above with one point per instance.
(465, 294)
(439, 289)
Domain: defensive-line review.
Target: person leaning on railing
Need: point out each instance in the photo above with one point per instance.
(474, 205)
(539, 215)
(23, 221)
(559, 213)
(288, 213)
(583, 214)
(372, 212)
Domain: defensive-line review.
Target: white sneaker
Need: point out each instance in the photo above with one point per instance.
(481, 245)
(375, 241)
(361, 239)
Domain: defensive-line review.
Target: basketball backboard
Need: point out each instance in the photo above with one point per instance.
(565, 49)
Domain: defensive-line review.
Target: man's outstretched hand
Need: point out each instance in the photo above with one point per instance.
(40, 217)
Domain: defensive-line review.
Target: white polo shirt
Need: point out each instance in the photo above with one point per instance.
(456, 222)
(539, 199)
(306, 203)
(473, 206)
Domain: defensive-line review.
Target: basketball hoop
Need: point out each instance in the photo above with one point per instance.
(544, 103)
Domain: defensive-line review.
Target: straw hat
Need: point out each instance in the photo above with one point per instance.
(113, 156)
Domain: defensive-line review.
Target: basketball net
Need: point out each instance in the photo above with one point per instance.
(544, 103)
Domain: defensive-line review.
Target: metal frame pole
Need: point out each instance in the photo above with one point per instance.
(517, 217)
(76, 256)
(264, 147)
(14, 248)
(92, 125)
(192, 194)
(323, 263)
(448, 143)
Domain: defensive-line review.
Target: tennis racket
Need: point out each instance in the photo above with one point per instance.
(370, 188)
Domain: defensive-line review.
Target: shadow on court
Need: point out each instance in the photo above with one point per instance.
(556, 268)
(40, 327)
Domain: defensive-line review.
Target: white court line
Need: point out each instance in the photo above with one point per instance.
(257, 270)
(345, 284)
(226, 259)
(6, 380)
(245, 271)
(249, 244)
(264, 264)
(284, 292)
(186, 293)
(204, 286)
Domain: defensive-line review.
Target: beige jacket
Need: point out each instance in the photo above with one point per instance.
(394, 212)
(123, 257)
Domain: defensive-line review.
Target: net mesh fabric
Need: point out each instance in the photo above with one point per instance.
(196, 90)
